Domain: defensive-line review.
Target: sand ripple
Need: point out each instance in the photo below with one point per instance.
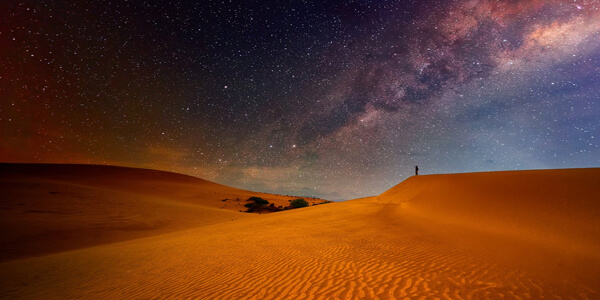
(283, 257)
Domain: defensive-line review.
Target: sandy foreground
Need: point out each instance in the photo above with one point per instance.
(496, 235)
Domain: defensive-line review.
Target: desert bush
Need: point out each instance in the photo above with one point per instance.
(297, 203)
(258, 200)
(257, 205)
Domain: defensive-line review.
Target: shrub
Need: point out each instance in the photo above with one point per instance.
(297, 203)
(258, 200)
(257, 205)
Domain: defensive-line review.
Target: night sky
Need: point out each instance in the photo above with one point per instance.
(336, 99)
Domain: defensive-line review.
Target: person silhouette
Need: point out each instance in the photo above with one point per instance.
(416, 170)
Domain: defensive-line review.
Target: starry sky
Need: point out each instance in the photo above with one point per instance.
(335, 99)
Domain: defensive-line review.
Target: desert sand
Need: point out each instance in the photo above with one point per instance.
(48, 208)
(496, 235)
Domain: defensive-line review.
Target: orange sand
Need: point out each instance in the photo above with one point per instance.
(497, 235)
(52, 208)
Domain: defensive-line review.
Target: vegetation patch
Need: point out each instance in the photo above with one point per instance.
(258, 200)
(300, 202)
(260, 205)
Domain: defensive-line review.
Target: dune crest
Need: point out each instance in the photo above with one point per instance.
(50, 208)
(556, 207)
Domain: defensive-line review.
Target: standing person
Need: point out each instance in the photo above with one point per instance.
(416, 170)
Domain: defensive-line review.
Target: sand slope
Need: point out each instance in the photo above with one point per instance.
(389, 247)
(48, 208)
(557, 208)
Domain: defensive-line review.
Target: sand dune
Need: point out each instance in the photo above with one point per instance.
(49, 208)
(557, 208)
(426, 238)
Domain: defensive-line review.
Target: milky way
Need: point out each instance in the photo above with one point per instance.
(337, 99)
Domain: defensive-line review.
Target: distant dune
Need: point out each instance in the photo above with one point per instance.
(496, 235)
(47, 208)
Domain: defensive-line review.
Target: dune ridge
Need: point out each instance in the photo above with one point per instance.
(49, 208)
(556, 207)
(388, 247)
